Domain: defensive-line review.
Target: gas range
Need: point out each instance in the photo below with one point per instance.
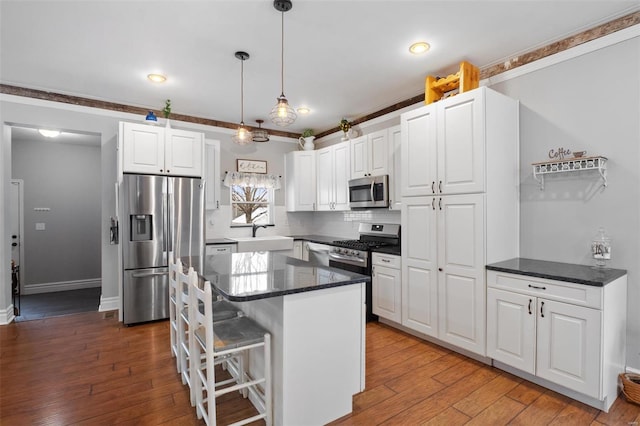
(353, 255)
(372, 235)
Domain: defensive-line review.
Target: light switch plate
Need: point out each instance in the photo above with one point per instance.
(40, 226)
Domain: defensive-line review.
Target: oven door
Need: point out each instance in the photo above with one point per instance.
(348, 263)
(369, 192)
(359, 266)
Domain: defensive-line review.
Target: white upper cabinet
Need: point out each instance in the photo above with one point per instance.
(419, 160)
(212, 174)
(157, 150)
(395, 168)
(300, 177)
(143, 148)
(369, 155)
(332, 180)
(444, 144)
(184, 152)
(460, 126)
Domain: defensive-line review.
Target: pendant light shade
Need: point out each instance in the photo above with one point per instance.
(243, 135)
(260, 134)
(282, 114)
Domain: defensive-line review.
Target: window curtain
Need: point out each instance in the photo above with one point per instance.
(252, 179)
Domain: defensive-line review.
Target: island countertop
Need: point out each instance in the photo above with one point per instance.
(241, 277)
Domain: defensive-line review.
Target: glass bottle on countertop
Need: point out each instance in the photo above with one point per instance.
(601, 248)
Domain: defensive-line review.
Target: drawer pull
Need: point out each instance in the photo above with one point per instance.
(541, 306)
(385, 260)
(537, 287)
(530, 300)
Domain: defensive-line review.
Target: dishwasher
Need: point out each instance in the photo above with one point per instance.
(318, 254)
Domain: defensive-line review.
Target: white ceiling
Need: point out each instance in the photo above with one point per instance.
(342, 58)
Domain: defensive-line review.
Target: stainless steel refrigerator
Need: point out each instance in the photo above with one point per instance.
(161, 215)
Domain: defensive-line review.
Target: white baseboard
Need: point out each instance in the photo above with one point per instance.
(109, 304)
(632, 370)
(6, 315)
(61, 286)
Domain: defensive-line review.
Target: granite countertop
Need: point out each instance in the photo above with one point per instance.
(241, 277)
(568, 272)
(388, 250)
(320, 239)
(212, 241)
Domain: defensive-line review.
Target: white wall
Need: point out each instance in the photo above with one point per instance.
(592, 103)
(64, 178)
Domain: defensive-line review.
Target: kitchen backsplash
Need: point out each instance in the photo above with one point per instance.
(335, 224)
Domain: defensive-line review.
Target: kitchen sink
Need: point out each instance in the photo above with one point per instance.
(268, 243)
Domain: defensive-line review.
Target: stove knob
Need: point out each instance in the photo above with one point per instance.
(354, 253)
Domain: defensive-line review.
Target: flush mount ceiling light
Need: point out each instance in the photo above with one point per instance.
(303, 110)
(157, 78)
(282, 114)
(260, 134)
(243, 135)
(419, 47)
(49, 133)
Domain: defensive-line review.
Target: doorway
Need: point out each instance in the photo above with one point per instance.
(59, 247)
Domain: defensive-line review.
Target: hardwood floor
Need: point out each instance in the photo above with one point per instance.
(85, 369)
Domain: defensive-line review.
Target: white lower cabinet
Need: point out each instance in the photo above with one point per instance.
(443, 293)
(386, 284)
(564, 333)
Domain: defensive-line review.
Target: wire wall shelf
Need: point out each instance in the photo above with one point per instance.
(597, 163)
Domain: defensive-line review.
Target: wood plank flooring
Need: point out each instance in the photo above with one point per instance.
(84, 369)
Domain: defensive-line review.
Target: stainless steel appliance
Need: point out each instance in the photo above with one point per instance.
(355, 255)
(161, 214)
(369, 192)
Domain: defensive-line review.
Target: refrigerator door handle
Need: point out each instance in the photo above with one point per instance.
(149, 274)
(167, 205)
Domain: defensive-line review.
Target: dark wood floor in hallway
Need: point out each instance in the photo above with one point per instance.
(85, 369)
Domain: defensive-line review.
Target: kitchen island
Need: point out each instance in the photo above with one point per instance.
(316, 316)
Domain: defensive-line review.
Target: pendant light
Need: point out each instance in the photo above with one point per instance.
(260, 134)
(243, 134)
(282, 114)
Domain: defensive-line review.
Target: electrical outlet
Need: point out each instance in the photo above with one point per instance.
(40, 226)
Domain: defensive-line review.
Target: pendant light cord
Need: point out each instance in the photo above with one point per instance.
(282, 56)
(242, 92)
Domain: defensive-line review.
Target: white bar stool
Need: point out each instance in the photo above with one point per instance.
(174, 267)
(223, 311)
(218, 342)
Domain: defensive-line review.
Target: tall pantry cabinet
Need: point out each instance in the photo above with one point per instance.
(460, 211)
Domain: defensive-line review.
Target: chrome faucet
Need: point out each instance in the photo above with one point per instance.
(255, 228)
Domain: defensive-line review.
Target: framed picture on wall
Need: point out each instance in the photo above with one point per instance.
(251, 166)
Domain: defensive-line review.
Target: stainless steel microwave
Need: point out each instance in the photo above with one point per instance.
(369, 192)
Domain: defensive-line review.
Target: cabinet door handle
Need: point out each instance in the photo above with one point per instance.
(537, 287)
(433, 203)
(433, 187)
(440, 269)
(541, 306)
(217, 204)
(440, 203)
(373, 271)
(530, 300)
(440, 187)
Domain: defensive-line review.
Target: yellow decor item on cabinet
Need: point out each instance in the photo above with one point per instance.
(464, 80)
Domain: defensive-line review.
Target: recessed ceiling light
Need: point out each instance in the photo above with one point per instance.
(157, 78)
(303, 110)
(49, 133)
(419, 47)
